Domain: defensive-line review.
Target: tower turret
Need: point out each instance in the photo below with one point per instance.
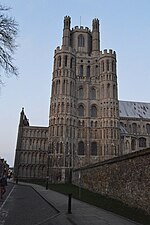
(95, 36)
(66, 31)
(62, 118)
(109, 109)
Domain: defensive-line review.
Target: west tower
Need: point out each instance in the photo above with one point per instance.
(85, 120)
(84, 115)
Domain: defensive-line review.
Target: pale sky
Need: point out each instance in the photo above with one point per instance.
(125, 28)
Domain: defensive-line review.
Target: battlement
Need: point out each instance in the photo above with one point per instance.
(67, 17)
(66, 49)
(79, 28)
(107, 52)
(58, 49)
(95, 20)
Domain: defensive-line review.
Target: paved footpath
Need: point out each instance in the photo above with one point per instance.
(24, 206)
(82, 213)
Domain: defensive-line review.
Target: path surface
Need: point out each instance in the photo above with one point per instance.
(24, 206)
(29, 204)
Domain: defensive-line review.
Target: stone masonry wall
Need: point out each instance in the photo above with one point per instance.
(126, 178)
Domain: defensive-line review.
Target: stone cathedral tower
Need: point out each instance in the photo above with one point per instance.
(87, 123)
(84, 115)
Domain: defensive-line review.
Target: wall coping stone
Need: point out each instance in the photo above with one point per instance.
(116, 159)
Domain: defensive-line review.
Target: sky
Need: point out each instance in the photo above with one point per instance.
(124, 27)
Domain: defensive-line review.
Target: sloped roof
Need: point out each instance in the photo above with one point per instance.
(134, 109)
(123, 130)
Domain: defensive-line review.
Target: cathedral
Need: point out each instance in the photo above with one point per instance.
(87, 122)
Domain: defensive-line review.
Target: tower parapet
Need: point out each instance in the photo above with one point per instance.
(108, 61)
(81, 28)
(60, 50)
(107, 52)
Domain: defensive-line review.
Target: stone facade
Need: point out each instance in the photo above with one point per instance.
(125, 178)
(84, 113)
(87, 122)
(31, 150)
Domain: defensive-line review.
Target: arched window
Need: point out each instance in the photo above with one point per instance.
(127, 145)
(52, 130)
(88, 71)
(107, 62)
(67, 107)
(52, 150)
(61, 130)
(114, 91)
(134, 128)
(57, 130)
(59, 61)
(61, 147)
(93, 148)
(113, 66)
(81, 110)
(80, 40)
(58, 108)
(66, 149)
(62, 107)
(71, 89)
(102, 65)
(148, 128)
(57, 86)
(81, 92)
(102, 91)
(71, 63)
(64, 86)
(82, 123)
(93, 111)
(133, 144)
(66, 60)
(108, 90)
(81, 70)
(62, 121)
(93, 93)
(129, 128)
(96, 70)
(67, 86)
(142, 142)
(81, 148)
(57, 147)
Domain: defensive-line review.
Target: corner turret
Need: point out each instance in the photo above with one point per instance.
(95, 36)
(66, 31)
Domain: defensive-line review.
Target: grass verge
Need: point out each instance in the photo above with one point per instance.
(103, 202)
(100, 201)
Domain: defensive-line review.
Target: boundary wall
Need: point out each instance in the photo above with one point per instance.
(126, 178)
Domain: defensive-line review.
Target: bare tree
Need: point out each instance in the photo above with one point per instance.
(8, 33)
